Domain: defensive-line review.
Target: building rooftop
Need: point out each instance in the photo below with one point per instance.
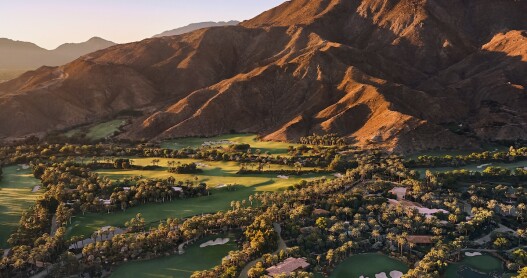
(288, 266)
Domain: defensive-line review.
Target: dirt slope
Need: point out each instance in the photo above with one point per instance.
(402, 74)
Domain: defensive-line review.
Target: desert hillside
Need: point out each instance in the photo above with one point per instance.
(401, 74)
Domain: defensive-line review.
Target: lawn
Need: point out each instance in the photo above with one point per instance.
(251, 139)
(474, 167)
(367, 265)
(98, 131)
(15, 197)
(216, 174)
(484, 266)
(194, 259)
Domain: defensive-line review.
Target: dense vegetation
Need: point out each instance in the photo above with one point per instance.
(323, 221)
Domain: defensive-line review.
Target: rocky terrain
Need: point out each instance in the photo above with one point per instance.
(195, 26)
(405, 75)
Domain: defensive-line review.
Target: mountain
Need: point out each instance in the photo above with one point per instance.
(15, 55)
(405, 75)
(195, 26)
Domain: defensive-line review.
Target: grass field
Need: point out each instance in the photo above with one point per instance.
(15, 197)
(367, 265)
(217, 173)
(180, 266)
(485, 266)
(99, 131)
(474, 167)
(251, 139)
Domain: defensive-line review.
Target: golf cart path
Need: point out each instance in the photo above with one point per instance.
(281, 246)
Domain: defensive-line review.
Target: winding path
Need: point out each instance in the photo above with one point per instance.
(281, 246)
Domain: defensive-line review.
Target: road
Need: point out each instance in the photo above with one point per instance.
(281, 246)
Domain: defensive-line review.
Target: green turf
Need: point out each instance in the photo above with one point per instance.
(98, 131)
(367, 265)
(251, 139)
(15, 197)
(104, 130)
(474, 167)
(180, 266)
(218, 173)
(484, 265)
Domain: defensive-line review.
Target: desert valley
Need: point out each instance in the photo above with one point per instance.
(321, 138)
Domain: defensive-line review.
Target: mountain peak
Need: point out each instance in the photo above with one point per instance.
(196, 26)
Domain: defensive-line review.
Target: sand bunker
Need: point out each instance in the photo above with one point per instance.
(396, 274)
(283, 177)
(422, 210)
(36, 188)
(472, 254)
(483, 165)
(381, 275)
(400, 192)
(218, 241)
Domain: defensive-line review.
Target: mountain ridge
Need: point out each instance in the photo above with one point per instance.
(397, 74)
(195, 26)
(27, 55)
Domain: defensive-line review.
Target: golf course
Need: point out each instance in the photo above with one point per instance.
(367, 265)
(16, 195)
(215, 175)
(484, 266)
(275, 148)
(180, 266)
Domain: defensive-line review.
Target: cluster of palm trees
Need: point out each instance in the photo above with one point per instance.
(323, 140)
(513, 154)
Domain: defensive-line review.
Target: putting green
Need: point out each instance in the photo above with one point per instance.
(15, 197)
(180, 266)
(484, 266)
(251, 139)
(217, 173)
(367, 265)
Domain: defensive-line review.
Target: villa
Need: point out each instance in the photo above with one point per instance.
(288, 266)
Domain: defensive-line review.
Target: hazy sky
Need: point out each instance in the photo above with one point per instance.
(50, 23)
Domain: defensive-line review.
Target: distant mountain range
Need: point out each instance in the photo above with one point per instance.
(19, 55)
(195, 26)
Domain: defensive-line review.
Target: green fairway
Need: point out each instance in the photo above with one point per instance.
(367, 265)
(475, 167)
(104, 130)
(15, 197)
(99, 131)
(217, 173)
(475, 267)
(251, 139)
(214, 173)
(194, 259)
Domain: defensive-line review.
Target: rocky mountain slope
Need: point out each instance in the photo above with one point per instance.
(405, 75)
(195, 26)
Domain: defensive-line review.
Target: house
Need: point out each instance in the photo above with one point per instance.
(288, 266)
(421, 240)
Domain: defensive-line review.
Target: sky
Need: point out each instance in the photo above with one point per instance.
(50, 23)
